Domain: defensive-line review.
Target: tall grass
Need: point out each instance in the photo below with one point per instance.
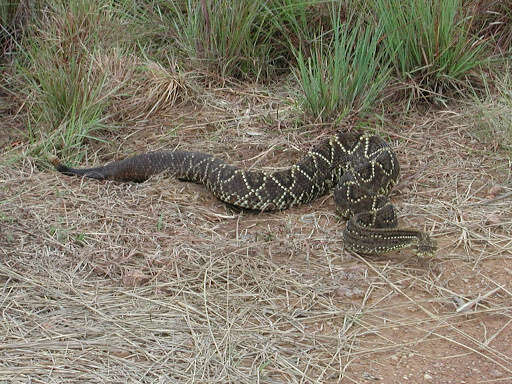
(493, 118)
(14, 17)
(64, 93)
(345, 74)
(70, 106)
(493, 19)
(78, 55)
(7, 24)
(247, 39)
(297, 24)
(429, 42)
(228, 37)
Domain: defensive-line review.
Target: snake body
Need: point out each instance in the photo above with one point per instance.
(361, 168)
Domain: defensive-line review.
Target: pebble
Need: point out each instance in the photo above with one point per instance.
(496, 373)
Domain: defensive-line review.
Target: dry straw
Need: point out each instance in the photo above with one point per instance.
(159, 282)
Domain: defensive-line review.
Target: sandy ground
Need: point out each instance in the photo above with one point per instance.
(161, 282)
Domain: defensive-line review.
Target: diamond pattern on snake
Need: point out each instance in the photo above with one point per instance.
(361, 168)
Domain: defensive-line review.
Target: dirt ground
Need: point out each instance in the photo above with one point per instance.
(161, 282)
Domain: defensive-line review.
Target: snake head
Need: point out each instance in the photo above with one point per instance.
(425, 246)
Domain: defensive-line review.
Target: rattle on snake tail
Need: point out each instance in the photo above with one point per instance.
(360, 167)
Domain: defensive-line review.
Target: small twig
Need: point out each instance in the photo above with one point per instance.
(490, 201)
(471, 303)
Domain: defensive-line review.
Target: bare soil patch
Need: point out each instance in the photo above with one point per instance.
(160, 282)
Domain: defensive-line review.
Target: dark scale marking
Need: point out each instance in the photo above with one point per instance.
(362, 168)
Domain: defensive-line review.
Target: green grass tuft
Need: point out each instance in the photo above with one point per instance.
(429, 42)
(227, 37)
(69, 108)
(297, 24)
(64, 91)
(345, 74)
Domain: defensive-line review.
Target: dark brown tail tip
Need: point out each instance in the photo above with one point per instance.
(54, 160)
(57, 164)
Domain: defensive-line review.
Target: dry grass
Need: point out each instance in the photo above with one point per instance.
(137, 88)
(160, 282)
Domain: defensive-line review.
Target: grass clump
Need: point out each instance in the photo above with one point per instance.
(297, 25)
(494, 113)
(80, 73)
(493, 19)
(14, 17)
(69, 110)
(429, 42)
(246, 40)
(344, 74)
(138, 87)
(64, 92)
(229, 38)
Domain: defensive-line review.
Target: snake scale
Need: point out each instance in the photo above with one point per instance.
(361, 168)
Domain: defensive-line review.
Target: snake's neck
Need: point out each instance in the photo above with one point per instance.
(367, 240)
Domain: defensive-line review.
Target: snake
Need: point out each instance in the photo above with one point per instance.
(360, 168)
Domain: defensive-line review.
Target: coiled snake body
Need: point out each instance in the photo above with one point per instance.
(361, 168)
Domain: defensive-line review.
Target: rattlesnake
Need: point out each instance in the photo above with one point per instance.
(360, 167)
